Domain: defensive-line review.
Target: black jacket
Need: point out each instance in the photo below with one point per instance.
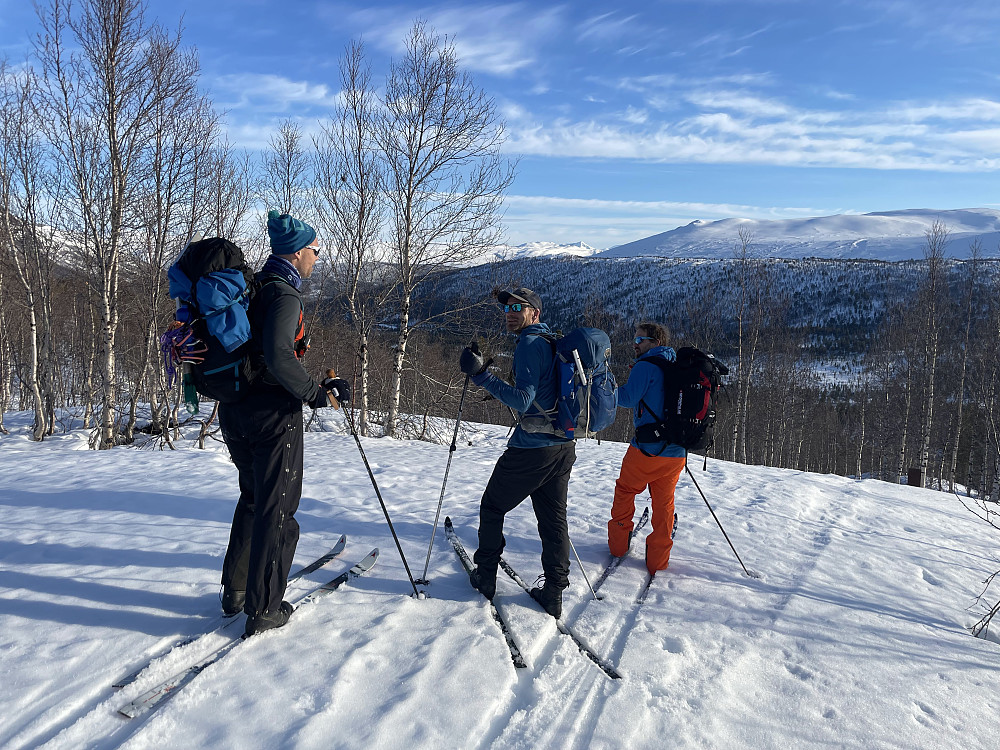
(277, 322)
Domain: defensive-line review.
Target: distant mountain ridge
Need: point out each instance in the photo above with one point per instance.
(886, 235)
(545, 249)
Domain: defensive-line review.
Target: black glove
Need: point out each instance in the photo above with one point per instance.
(321, 400)
(471, 362)
(339, 388)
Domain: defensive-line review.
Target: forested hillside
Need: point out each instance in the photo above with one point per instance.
(842, 366)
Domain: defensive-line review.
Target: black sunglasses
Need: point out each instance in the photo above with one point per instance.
(640, 339)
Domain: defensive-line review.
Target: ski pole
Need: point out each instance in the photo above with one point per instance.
(451, 452)
(751, 575)
(578, 562)
(349, 416)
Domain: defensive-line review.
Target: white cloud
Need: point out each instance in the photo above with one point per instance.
(606, 27)
(635, 116)
(739, 102)
(605, 223)
(496, 38)
(256, 136)
(970, 22)
(701, 210)
(269, 92)
(740, 127)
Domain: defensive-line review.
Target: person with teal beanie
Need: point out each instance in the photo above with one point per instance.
(263, 432)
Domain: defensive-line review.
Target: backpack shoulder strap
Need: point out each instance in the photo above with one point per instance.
(664, 367)
(547, 414)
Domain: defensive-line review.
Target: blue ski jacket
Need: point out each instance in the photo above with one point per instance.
(534, 383)
(645, 386)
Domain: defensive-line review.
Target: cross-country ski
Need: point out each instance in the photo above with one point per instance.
(229, 624)
(515, 651)
(616, 561)
(153, 697)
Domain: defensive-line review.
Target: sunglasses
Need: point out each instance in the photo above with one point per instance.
(640, 339)
(516, 307)
(315, 249)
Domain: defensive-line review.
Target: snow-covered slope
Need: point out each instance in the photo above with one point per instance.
(854, 636)
(890, 235)
(545, 249)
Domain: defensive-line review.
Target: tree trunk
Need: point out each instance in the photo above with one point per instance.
(107, 428)
(398, 360)
(363, 404)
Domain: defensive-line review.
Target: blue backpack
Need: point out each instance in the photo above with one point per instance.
(587, 394)
(211, 340)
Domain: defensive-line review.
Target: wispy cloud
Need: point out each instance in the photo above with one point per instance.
(269, 92)
(635, 116)
(607, 27)
(483, 34)
(748, 130)
(701, 210)
(605, 223)
(744, 119)
(257, 135)
(970, 22)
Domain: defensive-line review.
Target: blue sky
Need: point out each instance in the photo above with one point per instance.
(633, 118)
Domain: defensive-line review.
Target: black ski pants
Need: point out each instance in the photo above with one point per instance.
(264, 436)
(543, 474)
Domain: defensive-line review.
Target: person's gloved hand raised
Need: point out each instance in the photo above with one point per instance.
(471, 362)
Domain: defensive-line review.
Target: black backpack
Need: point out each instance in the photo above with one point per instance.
(218, 374)
(691, 390)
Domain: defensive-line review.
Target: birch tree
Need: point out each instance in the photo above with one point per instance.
(98, 101)
(27, 245)
(935, 288)
(971, 300)
(350, 182)
(441, 138)
(228, 186)
(286, 171)
(750, 296)
(183, 125)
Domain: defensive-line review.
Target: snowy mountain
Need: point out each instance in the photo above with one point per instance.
(855, 635)
(545, 249)
(889, 235)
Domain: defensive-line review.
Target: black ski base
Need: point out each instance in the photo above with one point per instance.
(586, 650)
(616, 561)
(515, 651)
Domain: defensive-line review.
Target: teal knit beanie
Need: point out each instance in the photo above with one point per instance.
(288, 235)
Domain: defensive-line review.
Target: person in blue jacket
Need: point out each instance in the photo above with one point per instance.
(538, 458)
(656, 465)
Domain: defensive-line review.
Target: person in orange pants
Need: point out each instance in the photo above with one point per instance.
(654, 465)
(660, 474)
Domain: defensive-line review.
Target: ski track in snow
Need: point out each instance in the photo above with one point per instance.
(854, 636)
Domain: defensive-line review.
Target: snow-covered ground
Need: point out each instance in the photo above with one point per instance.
(855, 635)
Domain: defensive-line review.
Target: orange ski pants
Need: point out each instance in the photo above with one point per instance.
(660, 474)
